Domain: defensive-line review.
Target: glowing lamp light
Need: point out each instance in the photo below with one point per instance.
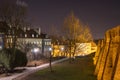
(0, 47)
(62, 48)
(50, 49)
(36, 50)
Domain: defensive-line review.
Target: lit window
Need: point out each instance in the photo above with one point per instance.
(45, 43)
(37, 42)
(32, 35)
(0, 47)
(11, 40)
(49, 43)
(7, 40)
(34, 42)
(40, 42)
(25, 35)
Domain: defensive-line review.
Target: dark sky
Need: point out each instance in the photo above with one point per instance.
(100, 15)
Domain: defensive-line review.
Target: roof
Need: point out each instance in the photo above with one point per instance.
(31, 33)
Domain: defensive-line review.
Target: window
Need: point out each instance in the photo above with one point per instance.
(11, 40)
(45, 43)
(7, 41)
(25, 35)
(40, 42)
(37, 42)
(32, 35)
(34, 42)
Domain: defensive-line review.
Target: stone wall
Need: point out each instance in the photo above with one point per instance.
(107, 58)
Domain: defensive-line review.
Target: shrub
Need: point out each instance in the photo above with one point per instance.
(5, 59)
(11, 58)
(20, 59)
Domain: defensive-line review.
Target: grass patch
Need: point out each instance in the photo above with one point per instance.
(81, 68)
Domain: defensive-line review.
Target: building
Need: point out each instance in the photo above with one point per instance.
(83, 48)
(29, 40)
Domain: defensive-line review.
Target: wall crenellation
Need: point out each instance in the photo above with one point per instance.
(107, 57)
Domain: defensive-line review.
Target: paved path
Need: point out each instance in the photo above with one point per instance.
(30, 70)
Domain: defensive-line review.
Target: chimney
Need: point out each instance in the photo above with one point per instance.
(39, 31)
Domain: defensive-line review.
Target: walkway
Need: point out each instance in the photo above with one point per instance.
(30, 70)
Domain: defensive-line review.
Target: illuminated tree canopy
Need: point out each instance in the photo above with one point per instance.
(75, 32)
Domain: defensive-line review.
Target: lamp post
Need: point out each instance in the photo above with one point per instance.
(62, 49)
(35, 52)
(35, 55)
(50, 59)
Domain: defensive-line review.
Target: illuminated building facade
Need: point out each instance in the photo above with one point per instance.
(25, 38)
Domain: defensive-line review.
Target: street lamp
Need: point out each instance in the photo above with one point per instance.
(50, 49)
(50, 59)
(62, 49)
(35, 52)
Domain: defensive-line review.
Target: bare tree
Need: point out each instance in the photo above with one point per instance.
(14, 15)
(74, 31)
(86, 35)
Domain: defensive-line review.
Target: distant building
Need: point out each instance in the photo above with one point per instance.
(27, 39)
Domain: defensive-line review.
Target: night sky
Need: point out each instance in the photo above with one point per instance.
(100, 15)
